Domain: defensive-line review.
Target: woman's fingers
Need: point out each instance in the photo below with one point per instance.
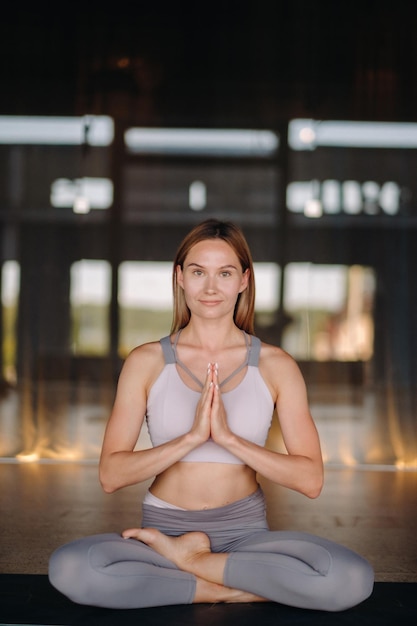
(207, 393)
(219, 426)
(202, 414)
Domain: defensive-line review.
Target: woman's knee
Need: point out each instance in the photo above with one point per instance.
(67, 572)
(70, 569)
(349, 586)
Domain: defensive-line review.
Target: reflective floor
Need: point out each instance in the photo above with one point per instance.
(50, 492)
(45, 504)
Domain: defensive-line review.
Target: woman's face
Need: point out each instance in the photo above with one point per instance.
(212, 279)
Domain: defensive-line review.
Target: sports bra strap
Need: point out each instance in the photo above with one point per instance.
(169, 354)
(181, 364)
(254, 351)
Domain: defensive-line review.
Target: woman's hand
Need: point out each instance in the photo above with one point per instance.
(202, 420)
(220, 430)
(210, 417)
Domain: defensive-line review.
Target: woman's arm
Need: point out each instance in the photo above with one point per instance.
(120, 465)
(302, 468)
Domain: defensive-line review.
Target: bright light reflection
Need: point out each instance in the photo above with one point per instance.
(313, 208)
(197, 195)
(94, 130)
(94, 193)
(350, 197)
(307, 134)
(183, 141)
(10, 282)
(403, 465)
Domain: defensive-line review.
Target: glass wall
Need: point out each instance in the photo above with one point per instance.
(90, 293)
(331, 312)
(10, 283)
(92, 213)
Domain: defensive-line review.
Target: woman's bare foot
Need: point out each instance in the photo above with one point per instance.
(182, 550)
(190, 552)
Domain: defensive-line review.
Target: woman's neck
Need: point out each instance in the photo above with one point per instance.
(211, 337)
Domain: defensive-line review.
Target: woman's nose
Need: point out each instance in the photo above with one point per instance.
(211, 283)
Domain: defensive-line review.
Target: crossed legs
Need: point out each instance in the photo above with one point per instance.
(154, 569)
(292, 568)
(191, 553)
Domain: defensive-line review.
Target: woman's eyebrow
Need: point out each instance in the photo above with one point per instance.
(192, 264)
(222, 267)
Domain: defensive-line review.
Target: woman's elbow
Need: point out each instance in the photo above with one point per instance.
(315, 486)
(314, 491)
(105, 477)
(107, 486)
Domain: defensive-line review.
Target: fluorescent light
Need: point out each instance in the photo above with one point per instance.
(197, 196)
(306, 134)
(351, 197)
(82, 193)
(313, 208)
(57, 130)
(186, 141)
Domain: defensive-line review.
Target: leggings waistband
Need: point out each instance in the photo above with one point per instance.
(246, 513)
(152, 500)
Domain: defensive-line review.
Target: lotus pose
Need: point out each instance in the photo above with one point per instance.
(208, 393)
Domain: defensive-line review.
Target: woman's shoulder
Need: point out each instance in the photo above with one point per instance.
(271, 352)
(146, 360)
(146, 350)
(276, 362)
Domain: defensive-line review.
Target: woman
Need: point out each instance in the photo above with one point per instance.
(208, 393)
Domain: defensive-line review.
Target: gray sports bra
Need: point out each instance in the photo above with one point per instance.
(172, 404)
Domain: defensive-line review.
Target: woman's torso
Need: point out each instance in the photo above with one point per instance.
(209, 476)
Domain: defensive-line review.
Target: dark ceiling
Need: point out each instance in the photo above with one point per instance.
(215, 63)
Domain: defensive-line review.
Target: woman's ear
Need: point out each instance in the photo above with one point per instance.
(180, 279)
(245, 280)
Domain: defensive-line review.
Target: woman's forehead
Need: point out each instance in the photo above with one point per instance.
(212, 250)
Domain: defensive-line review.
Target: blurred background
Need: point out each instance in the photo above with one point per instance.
(123, 125)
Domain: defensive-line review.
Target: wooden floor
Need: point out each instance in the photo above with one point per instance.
(45, 504)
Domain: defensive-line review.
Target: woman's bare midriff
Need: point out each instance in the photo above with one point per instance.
(198, 486)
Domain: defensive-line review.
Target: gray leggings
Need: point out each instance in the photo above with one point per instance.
(291, 568)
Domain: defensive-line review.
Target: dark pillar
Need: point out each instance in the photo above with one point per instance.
(43, 332)
(395, 359)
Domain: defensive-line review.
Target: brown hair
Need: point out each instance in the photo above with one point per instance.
(230, 233)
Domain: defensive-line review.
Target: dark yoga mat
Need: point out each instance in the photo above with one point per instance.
(28, 599)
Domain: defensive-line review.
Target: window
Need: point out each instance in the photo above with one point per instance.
(331, 308)
(90, 299)
(145, 302)
(10, 282)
